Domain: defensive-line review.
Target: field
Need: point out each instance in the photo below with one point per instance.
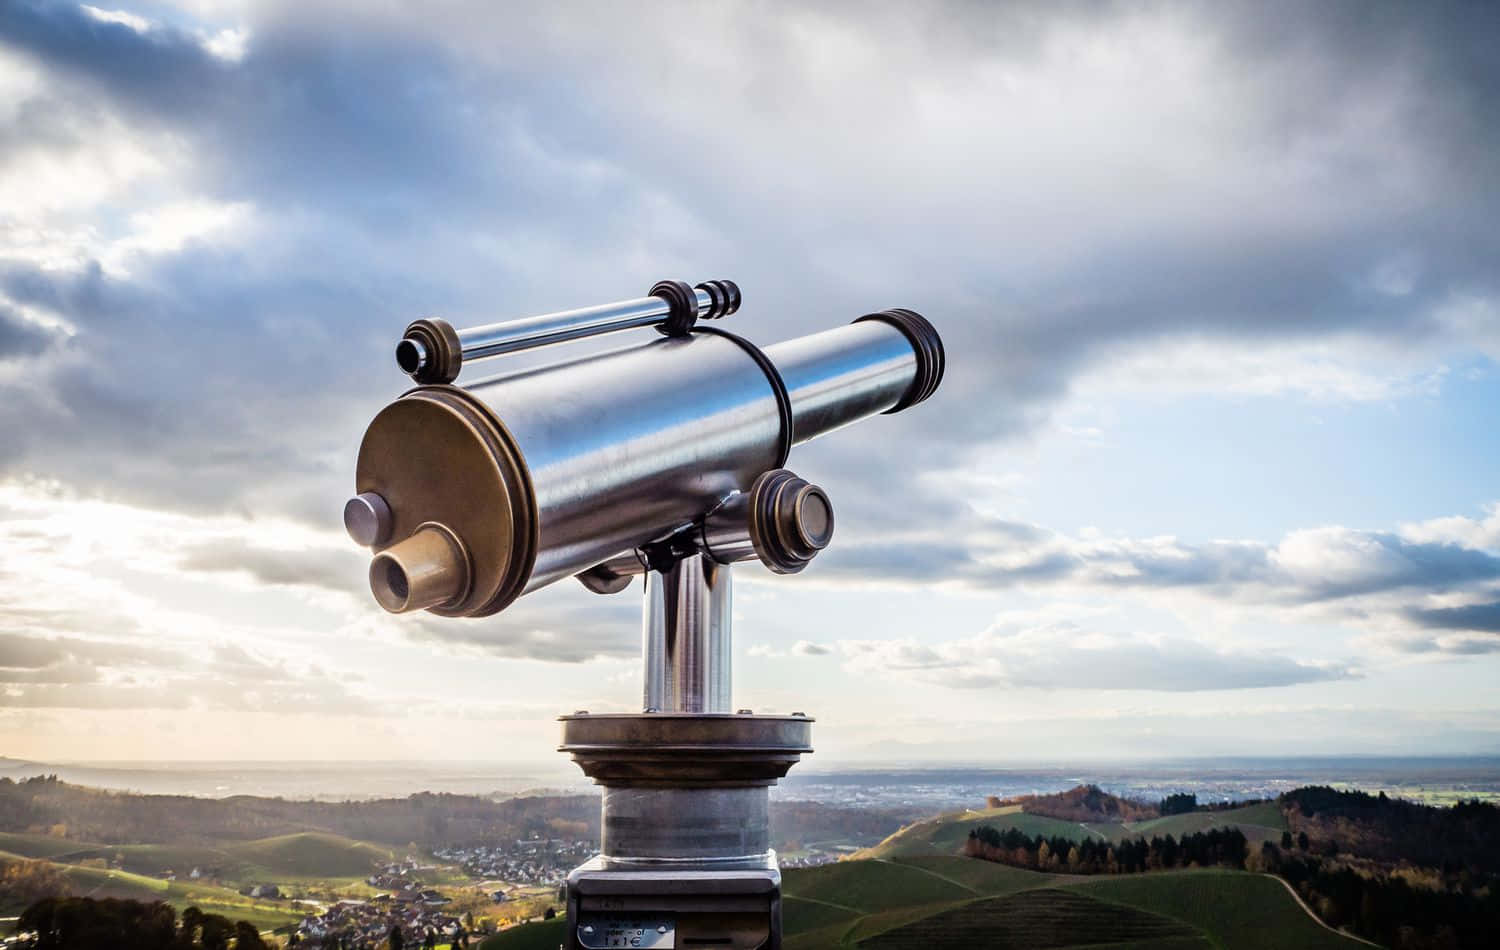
(1040, 918)
(945, 903)
(544, 935)
(946, 834)
(95, 882)
(311, 854)
(1259, 822)
(307, 856)
(298, 863)
(1241, 911)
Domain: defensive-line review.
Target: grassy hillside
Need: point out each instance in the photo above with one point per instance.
(937, 903)
(301, 856)
(1241, 911)
(546, 935)
(871, 886)
(35, 846)
(1262, 821)
(310, 854)
(92, 882)
(946, 834)
(1039, 918)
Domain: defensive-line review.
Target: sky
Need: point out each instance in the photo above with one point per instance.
(1214, 469)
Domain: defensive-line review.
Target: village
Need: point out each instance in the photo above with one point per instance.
(528, 861)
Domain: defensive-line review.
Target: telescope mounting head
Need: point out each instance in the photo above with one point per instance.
(471, 495)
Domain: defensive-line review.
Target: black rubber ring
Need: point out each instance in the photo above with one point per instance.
(778, 387)
(725, 295)
(682, 300)
(928, 346)
(717, 299)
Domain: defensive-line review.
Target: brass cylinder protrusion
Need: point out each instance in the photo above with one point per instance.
(429, 569)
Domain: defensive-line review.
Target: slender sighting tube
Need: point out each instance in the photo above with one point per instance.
(542, 474)
(433, 352)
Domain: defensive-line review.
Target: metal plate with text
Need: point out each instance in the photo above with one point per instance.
(598, 931)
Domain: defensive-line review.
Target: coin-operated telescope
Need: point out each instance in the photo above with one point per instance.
(664, 459)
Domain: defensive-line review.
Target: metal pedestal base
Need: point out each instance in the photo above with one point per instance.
(686, 859)
(674, 909)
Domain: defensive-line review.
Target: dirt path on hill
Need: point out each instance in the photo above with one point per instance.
(1309, 911)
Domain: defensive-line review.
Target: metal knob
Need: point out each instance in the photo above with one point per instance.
(367, 518)
(791, 520)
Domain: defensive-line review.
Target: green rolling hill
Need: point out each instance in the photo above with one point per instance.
(311, 854)
(945, 834)
(137, 870)
(952, 902)
(98, 883)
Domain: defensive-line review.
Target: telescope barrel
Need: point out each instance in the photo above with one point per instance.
(432, 351)
(544, 473)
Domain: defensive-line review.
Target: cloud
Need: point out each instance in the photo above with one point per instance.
(80, 673)
(549, 625)
(1065, 656)
(65, 586)
(216, 221)
(1480, 618)
(800, 648)
(338, 568)
(1307, 566)
(1127, 194)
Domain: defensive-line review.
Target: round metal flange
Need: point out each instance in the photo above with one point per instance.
(436, 455)
(685, 750)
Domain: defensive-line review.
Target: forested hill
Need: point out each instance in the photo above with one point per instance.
(1465, 835)
(45, 805)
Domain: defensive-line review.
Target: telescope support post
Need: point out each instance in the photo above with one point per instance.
(686, 637)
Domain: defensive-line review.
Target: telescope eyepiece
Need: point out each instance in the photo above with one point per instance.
(429, 569)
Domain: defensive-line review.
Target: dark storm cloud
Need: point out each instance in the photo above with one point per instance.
(1477, 618)
(19, 336)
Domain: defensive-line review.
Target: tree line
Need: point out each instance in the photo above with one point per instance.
(1462, 838)
(1218, 847)
(84, 923)
(1404, 908)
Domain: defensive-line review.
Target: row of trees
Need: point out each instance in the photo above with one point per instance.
(1217, 847)
(83, 923)
(1178, 804)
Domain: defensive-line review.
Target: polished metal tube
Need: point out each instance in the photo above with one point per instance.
(626, 447)
(698, 827)
(842, 375)
(687, 637)
(546, 472)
